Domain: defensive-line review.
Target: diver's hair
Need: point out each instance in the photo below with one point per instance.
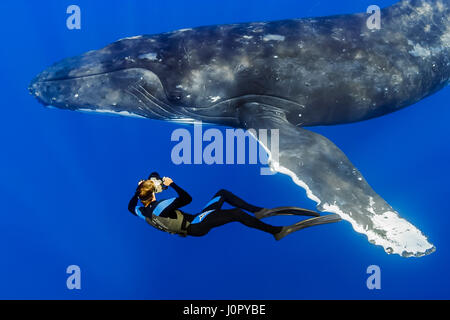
(145, 191)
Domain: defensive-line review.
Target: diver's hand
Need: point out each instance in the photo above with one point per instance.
(167, 181)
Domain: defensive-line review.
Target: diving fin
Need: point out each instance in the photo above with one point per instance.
(285, 211)
(331, 218)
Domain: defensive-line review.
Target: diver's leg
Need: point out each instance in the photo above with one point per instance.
(221, 217)
(252, 222)
(189, 217)
(237, 202)
(216, 203)
(203, 224)
(226, 196)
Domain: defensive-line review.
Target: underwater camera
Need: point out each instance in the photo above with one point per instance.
(158, 181)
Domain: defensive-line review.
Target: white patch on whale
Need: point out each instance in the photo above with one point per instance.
(149, 56)
(111, 112)
(425, 9)
(274, 37)
(422, 52)
(183, 120)
(198, 79)
(215, 99)
(445, 38)
(131, 38)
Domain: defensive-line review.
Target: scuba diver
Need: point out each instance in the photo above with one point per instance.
(166, 215)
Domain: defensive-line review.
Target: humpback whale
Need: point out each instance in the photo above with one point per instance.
(286, 75)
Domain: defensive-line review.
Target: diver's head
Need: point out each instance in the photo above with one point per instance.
(146, 192)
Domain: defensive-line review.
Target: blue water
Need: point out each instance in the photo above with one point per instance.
(66, 178)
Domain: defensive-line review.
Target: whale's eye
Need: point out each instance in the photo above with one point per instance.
(175, 95)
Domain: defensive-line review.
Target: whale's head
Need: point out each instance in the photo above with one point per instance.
(120, 78)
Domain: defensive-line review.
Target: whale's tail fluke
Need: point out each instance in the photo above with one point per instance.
(331, 180)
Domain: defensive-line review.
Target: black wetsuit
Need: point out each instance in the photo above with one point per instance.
(212, 215)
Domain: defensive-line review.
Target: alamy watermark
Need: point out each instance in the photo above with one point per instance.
(74, 20)
(220, 150)
(73, 282)
(374, 21)
(374, 280)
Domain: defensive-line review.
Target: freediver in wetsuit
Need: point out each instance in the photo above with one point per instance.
(166, 215)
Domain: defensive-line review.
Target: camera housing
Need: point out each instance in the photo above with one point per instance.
(158, 181)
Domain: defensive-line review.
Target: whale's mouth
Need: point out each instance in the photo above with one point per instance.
(134, 91)
(109, 80)
(92, 63)
(46, 77)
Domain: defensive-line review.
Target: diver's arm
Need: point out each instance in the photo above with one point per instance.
(133, 203)
(183, 197)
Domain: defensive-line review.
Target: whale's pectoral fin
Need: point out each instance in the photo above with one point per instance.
(330, 179)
